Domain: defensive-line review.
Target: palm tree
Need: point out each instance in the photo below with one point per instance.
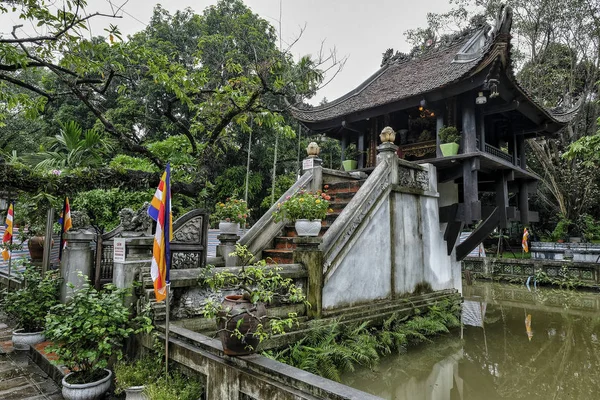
(73, 148)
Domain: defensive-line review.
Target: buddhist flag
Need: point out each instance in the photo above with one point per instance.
(66, 223)
(524, 242)
(160, 211)
(8, 232)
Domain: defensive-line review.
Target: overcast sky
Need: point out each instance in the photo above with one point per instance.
(359, 29)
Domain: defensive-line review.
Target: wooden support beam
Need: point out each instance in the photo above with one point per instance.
(513, 105)
(450, 174)
(452, 233)
(477, 236)
(451, 213)
(524, 202)
(439, 123)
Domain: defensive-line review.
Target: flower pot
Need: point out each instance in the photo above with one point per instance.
(449, 149)
(229, 228)
(135, 393)
(233, 309)
(305, 227)
(349, 165)
(23, 340)
(86, 391)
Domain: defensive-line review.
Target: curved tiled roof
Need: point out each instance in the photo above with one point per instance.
(435, 69)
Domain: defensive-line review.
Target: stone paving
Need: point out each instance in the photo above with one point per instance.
(20, 378)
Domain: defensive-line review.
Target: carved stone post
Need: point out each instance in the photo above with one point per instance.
(314, 163)
(386, 151)
(226, 247)
(307, 253)
(78, 257)
(138, 256)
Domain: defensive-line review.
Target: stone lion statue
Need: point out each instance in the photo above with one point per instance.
(136, 221)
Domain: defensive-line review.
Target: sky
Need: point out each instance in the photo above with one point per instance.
(359, 29)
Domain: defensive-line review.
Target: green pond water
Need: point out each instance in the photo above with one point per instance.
(514, 344)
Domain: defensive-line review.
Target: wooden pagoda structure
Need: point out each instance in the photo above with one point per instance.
(466, 81)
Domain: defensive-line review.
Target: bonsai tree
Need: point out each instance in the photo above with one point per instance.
(449, 134)
(30, 304)
(90, 328)
(241, 318)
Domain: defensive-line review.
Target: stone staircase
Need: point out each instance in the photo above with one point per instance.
(341, 193)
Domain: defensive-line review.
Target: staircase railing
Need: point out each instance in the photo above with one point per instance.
(344, 226)
(266, 229)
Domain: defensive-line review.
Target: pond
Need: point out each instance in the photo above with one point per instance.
(515, 343)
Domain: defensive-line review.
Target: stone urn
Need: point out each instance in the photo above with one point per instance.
(305, 227)
(135, 393)
(229, 228)
(86, 391)
(24, 340)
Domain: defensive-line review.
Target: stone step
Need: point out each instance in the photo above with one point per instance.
(278, 256)
(343, 187)
(284, 243)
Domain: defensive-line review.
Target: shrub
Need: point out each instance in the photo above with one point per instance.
(30, 304)
(90, 328)
(233, 210)
(303, 205)
(137, 373)
(178, 386)
(449, 134)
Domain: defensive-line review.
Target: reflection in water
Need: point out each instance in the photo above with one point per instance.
(498, 358)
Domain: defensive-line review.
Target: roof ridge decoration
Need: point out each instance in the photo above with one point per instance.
(431, 46)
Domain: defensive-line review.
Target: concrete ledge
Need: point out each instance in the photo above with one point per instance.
(46, 360)
(189, 277)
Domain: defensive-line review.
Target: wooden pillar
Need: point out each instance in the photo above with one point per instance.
(439, 123)
(524, 201)
(469, 125)
(481, 130)
(512, 148)
(502, 198)
(372, 143)
(344, 145)
(521, 151)
(472, 211)
(361, 150)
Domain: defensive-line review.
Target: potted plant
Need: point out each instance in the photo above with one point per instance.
(350, 157)
(177, 386)
(231, 214)
(305, 210)
(31, 213)
(131, 377)
(87, 331)
(30, 304)
(242, 318)
(449, 139)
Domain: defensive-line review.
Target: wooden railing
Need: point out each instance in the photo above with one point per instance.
(498, 153)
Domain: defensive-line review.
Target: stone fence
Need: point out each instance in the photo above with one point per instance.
(587, 273)
(581, 252)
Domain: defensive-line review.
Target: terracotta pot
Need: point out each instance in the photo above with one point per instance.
(233, 309)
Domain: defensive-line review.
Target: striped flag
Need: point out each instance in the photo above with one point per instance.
(524, 242)
(8, 232)
(160, 211)
(66, 223)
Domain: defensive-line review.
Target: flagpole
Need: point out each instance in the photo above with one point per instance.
(167, 332)
(12, 234)
(62, 229)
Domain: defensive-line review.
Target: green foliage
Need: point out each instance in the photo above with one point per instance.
(176, 386)
(330, 350)
(561, 231)
(282, 184)
(30, 304)
(258, 283)
(449, 134)
(123, 162)
(303, 205)
(103, 205)
(233, 210)
(136, 373)
(90, 328)
(351, 152)
(233, 180)
(564, 279)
